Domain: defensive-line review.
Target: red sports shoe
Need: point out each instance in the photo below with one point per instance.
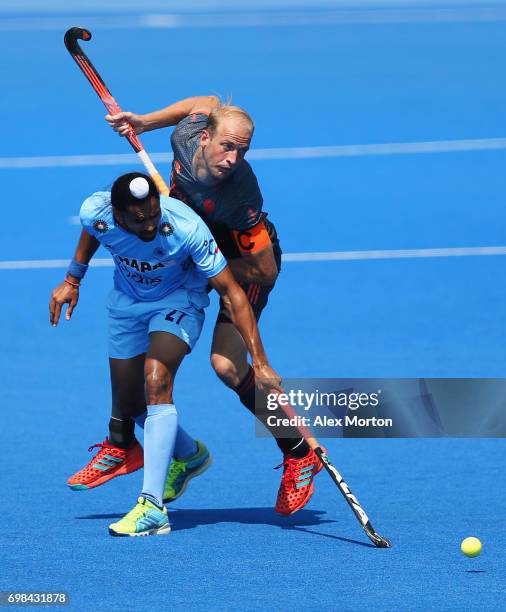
(297, 485)
(109, 462)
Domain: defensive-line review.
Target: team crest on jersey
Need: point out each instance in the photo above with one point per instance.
(100, 226)
(166, 229)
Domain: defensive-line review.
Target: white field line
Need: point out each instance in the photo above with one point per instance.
(256, 19)
(358, 150)
(44, 264)
(394, 254)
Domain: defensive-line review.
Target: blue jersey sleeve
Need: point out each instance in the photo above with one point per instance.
(204, 251)
(96, 214)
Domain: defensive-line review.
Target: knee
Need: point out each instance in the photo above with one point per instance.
(157, 387)
(226, 370)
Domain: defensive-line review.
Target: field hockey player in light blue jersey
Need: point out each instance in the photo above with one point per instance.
(164, 258)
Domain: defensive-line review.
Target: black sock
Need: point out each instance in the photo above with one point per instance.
(294, 445)
(121, 432)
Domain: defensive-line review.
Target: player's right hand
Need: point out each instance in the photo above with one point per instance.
(121, 123)
(266, 379)
(63, 294)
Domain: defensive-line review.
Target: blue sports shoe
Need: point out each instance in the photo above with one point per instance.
(181, 471)
(144, 519)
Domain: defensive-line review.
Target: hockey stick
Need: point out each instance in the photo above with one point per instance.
(353, 502)
(90, 72)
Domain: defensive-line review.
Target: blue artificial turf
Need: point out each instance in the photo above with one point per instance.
(229, 550)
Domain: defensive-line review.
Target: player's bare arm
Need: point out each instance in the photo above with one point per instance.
(67, 292)
(165, 117)
(241, 315)
(257, 267)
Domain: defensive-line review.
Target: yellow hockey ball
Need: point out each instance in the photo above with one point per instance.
(471, 547)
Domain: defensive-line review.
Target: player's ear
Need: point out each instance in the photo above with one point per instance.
(118, 214)
(205, 137)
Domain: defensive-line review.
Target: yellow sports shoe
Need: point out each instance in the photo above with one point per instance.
(144, 519)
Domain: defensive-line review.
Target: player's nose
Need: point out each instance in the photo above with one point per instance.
(232, 158)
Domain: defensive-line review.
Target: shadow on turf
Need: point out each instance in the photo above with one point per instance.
(190, 519)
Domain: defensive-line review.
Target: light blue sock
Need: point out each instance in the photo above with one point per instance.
(159, 437)
(185, 445)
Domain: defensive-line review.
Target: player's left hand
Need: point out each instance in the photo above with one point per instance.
(266, 379)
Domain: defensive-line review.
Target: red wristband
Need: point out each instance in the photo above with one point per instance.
(71, 283)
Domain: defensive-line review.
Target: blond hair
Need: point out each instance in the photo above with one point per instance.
(226, 111)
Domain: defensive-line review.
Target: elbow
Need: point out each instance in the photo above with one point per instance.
(227, 302)
(267, 275)
(234, 300)
(268, 279)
